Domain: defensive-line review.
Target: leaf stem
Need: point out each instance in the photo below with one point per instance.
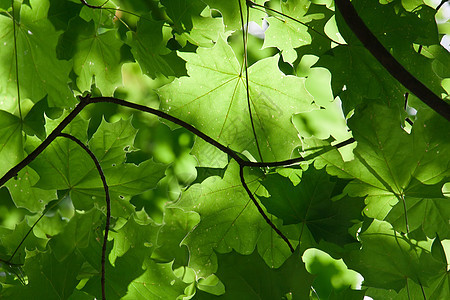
(28, 233)
(108, 204)
(407, 288)
(93, 6)
(405, 211)
(245, 40)
(16, 60)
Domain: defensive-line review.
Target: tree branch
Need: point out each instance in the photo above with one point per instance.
(261, 211)
(108, 204)
(374, 46)
(27, 160)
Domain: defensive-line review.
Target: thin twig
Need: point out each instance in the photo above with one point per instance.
(87, 100)
(114, 9)
(27, 160)
(172, 119)
(294, 161)
(440, 4)
(94, 6)
(108, 204)
(261, 211)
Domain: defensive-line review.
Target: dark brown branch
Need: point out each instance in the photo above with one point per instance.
(172, 119)
(87, 100)
(93, 6)
(374, 46)
(108, 204)
(440, 5)
(293, 161)
(84, 101)
(261, 211)
(27, 160)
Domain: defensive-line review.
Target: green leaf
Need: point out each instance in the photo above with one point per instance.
(347, 294)
(76, 234)
(11, 144)
(182, 12)
(205, 31)
(148, 47)
(40, 72)
(286, 34)
(358, 78)
(386, 258)
(191, 99)
(65, 165)
(310, 203)
(10, 240)
(176, 225)
(247, 276)
(329, 119)
(139, 237)
(112, 141)
(24, 194)
(391, 165)
(126, 269)
(231, 13)
(228, 219)
(48, 278)
(158, 282)
(95, 53)
(426, 207)
(398, 32)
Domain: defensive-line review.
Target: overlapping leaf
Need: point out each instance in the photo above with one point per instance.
(287, 34)
(11, 149)
(198, 102)
(247, 276)
(64, 165)
(228, 219)
(95, 53)
(182, 12)
(390, 165)
(310, 203)
(47, 277)
(40, 72)
(231, 12)
(148, 48)
(387, 259)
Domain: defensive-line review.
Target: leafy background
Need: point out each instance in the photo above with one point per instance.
(370, 219)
